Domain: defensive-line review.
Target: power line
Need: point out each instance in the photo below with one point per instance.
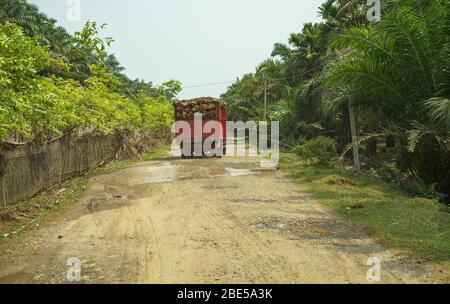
(208, 84)
(420, 2)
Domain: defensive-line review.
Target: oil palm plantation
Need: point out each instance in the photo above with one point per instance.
(21, 13)
(397, 73)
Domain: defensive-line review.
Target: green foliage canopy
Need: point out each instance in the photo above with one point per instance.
(36, 106)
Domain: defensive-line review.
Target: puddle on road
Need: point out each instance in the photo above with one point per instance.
(170, 171)
(120, 188)
(317, 229)
(238, 172)
(106, 201)
(148, 175)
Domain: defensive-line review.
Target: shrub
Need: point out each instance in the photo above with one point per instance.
(408, 181)
(36, 106)
(320, 150)
(158, 114)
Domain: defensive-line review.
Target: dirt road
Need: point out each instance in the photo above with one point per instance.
(200, 221)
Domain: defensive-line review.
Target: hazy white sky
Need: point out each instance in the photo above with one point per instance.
(194, 41)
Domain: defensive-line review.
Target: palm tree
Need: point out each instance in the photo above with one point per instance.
(35, 23)
(302, 61)
(303, 54)
(398, 70)
(113, 65)
(341, 14)
(21, 13)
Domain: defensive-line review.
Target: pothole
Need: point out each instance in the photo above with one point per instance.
(252, 200)
(307, 229)
(106, 201)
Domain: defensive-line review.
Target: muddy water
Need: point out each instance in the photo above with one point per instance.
(148, 175)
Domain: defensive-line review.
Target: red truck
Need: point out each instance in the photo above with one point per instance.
(213, 117)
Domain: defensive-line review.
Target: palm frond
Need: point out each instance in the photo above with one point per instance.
(439, 108)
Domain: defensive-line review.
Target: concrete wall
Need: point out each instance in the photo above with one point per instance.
(30, 169)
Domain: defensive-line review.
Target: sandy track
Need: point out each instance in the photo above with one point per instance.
(200, 221)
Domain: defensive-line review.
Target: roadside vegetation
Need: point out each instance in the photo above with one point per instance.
(52, 83)
(417, 224)
(393, 75)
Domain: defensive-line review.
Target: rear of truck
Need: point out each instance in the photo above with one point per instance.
(212, 110)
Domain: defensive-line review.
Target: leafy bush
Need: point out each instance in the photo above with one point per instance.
(158, 114)
(36, 106)
(21, 59)
(320, 150)
(408, 181)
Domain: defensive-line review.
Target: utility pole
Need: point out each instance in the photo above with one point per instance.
(265, 99)
(357, 163)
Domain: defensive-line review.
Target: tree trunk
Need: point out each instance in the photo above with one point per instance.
(345, 136)
(354, 137)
